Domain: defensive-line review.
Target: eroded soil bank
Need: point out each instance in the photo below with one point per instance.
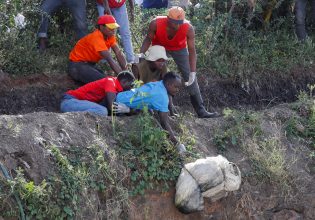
(29, 121)
(20, 95)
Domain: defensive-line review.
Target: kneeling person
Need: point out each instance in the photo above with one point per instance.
(90, 97)
(94, 47)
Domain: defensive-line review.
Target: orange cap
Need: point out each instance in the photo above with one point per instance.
(176, 14)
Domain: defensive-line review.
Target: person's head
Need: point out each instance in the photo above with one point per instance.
(172, 83)
(175, 17)
(156, 55)
(126, 79)
(107, 25)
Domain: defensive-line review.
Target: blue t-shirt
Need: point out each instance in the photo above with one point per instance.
(154, 4)
(153, 95)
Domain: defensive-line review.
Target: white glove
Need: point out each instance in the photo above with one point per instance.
(119, 108)
(138, 57)
(181, 148)
(192, 77)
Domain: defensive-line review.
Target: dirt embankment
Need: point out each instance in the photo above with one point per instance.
(21, 95)
(24, 141)
(24, 136)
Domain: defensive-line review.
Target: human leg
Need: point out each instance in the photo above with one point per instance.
(300, 14)
(121, 17)
(78, 10)
(181, 59)
(47, 8)
(84, 72)
(100, 9)
(71, 104)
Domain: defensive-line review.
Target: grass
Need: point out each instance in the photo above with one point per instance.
(71, 191)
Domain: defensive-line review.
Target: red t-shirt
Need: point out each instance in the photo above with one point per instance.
(178, 42)
(89, 47)
(97, 90)
(113, 3)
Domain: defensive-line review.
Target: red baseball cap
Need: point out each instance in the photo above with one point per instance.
(108, 20)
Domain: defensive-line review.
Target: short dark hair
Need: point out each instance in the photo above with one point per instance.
(126, 75)
(170, 77)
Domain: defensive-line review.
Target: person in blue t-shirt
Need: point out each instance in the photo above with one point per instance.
(154, 96)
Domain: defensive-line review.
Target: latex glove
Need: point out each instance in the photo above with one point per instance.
(139, 58)
(181, 148)
(119, 108)
(192, 78)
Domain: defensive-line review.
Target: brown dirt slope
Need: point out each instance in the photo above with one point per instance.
(24, 137)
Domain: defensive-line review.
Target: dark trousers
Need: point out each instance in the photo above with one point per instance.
(84, 72)
(78, 11)
(181, 58)
(300, 15)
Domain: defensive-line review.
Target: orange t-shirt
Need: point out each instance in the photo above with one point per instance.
(89, 47)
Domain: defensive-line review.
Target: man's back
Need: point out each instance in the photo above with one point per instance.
(153, 95)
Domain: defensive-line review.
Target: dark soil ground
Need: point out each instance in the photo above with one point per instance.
(33, 93)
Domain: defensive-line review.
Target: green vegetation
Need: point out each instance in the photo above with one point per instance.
(229, 43)
(150, 156)
(66, 194)
(265, 151)
(303, 125)
(265, 148)
(238, 125)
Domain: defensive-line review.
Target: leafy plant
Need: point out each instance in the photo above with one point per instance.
(149, 155)
(65, 194)
(238, 125)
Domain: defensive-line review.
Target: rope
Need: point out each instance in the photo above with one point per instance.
(17, 199)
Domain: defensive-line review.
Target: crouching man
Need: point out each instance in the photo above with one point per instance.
(97, 97)
(154, 96)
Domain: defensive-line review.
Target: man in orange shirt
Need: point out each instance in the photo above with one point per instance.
(94, 47)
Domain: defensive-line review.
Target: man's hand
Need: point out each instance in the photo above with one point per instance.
(119, 108)
(192, 78)
(181, 149)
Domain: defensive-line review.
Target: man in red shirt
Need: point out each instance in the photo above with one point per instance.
(177, 35)
(92, 96)
(94, 47)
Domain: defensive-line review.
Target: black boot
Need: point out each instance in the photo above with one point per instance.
(200, 109)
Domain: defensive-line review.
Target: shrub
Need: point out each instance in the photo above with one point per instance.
(149, 154)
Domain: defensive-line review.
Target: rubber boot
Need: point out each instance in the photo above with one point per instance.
(200, 109)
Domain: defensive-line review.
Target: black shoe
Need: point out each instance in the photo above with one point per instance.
(42, 44)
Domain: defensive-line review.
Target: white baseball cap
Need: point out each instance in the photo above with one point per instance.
(156, 52)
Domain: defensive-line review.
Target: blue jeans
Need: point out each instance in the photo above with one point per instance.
(121, 17)
(77, 8)
(300, 15)
(154, 4)
(71, 104)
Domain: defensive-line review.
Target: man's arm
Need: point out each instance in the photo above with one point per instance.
(191, 49)
(108, 57)
(165, 124)
(110, 98)
(135, 70)
(107, 10)
(131, 6)
(120, 57)
(148, 39)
